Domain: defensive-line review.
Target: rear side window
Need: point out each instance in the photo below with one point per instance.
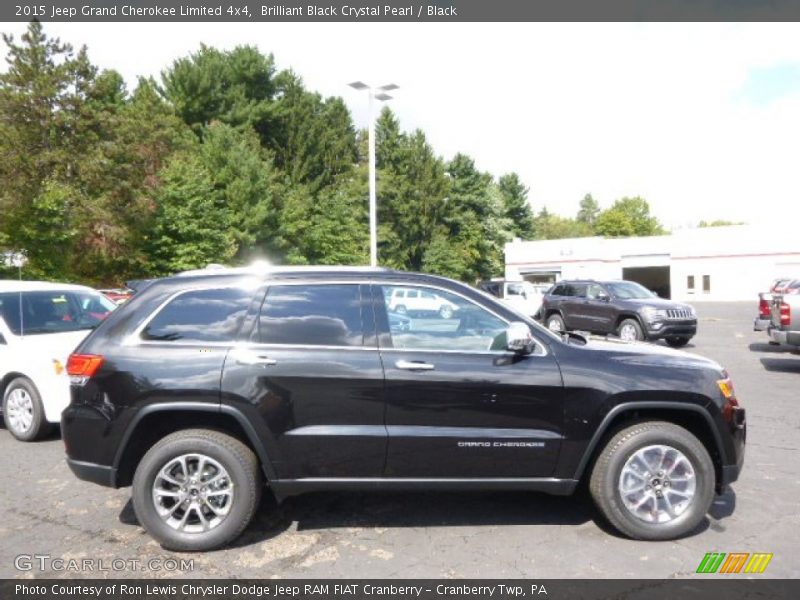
(312, 315)
(200, 315)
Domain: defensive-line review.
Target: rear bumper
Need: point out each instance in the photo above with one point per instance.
(761, 324)
(791, 338)
(99, 474)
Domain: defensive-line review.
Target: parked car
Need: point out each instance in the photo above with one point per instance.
(206, 386)
(624, 308)
(784, 327)
(40, 324)
(420, 303)
(524, 296)
(763, 320)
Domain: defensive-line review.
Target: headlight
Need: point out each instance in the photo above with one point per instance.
(652, 315)
(692, 310)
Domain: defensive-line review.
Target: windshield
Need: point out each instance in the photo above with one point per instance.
(53, 311)
(629, 290)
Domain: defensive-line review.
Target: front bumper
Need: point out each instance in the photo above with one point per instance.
(666, 329)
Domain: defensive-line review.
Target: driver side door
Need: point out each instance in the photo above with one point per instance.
(458, 404)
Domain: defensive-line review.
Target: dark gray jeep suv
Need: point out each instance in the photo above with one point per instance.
(623, 308)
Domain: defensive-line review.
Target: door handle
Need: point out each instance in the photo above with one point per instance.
(253, 359)
(411, 365)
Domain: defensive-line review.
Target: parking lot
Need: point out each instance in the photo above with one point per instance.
(47, 511)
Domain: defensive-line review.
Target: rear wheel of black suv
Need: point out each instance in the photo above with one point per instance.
(653, 481)
(196, 490)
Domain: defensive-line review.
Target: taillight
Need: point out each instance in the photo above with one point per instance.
(81, 367)
(786, 314)
(764, 308)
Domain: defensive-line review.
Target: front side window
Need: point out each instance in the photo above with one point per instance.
(629, 290)
(312, 315)
(212, 315)
(595, 291)
(34, 313)
(454, 324)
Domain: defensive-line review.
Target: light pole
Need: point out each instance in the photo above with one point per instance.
(373, 212)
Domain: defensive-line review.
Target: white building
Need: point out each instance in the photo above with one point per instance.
(713, 263)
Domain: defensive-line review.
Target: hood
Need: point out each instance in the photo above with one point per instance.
(644, 353)
(52, 345)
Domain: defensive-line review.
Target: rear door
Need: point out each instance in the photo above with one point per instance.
(458, 405)
(310, 377)
(597, 310)
(573, 306)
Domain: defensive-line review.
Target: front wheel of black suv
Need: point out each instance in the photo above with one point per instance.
(677, 342)
(630, 331)
(653, 481)
(196, 490)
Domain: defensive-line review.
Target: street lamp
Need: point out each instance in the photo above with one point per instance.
(378, 93)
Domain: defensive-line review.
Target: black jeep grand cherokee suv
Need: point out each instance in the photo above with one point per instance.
(207, 386)
(624, 308)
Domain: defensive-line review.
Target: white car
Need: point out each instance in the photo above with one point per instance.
(40, 324)
(419, 302)
(524, 296)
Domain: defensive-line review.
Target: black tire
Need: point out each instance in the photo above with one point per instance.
(605, 476)
(39, 426)
(677, 342)
(236, 458)
(555, 318)
(636, 327)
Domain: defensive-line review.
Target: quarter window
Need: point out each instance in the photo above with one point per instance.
(445, 321)
(202, 315)
(312, 315)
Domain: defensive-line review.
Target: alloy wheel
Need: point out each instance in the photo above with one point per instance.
(193, 493)
(657, 484)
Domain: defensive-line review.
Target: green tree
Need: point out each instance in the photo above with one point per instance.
(192, 224)
(244, 177)
(411, 190)
(554, 227)
(589, 211)
(628, 217)
(42, 95)
(517, 210)
(236, 87)
(313, 139)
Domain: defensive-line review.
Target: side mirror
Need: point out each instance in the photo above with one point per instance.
(604, 297)
(519, 338)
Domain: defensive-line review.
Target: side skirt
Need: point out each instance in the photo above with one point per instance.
(284, 488)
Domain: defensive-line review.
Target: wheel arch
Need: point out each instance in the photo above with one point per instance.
(629, 315)
(8, 378)
(692, 417)
(155, 421)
